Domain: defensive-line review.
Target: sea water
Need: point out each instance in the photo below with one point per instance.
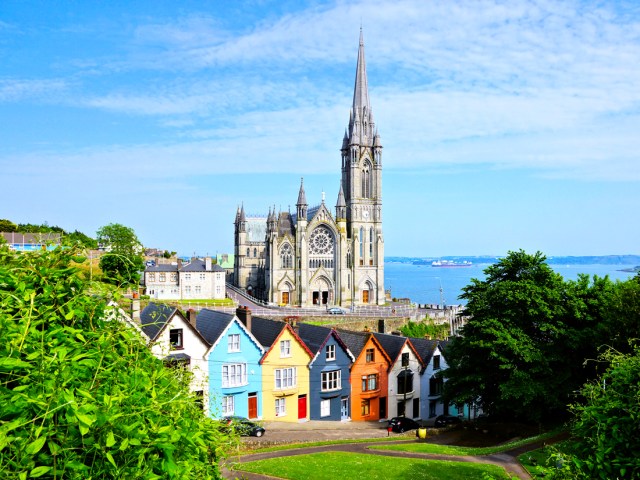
(422, 283)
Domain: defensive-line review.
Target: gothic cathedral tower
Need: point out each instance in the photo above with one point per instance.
(362, 184)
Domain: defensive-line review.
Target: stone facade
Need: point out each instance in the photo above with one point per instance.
(316, 256)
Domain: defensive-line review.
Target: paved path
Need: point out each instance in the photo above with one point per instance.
(507, 460)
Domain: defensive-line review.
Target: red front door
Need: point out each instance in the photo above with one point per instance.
(302, 407)
(253, 405)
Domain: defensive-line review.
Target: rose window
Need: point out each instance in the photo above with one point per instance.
(321, 242)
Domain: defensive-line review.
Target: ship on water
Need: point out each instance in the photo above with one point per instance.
(450, 263)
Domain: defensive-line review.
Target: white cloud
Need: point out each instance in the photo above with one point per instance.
(14, 90)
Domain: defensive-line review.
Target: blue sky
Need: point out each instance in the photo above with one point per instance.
(505, 125)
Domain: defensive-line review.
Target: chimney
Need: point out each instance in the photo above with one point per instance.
(135, 308)
(207, 264)
(191, 317)
(244, 315)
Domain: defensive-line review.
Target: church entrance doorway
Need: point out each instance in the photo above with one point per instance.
(320, 292)
(285, 298)
(320, 298)
(365, 296)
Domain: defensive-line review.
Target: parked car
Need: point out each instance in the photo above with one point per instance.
(243, 426)
(335, 311)
(446, 420)
(402, 424)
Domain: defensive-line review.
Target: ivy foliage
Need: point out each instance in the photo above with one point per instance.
(81, 396)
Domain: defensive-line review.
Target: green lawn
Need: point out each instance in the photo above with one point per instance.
(322, 466)
(423, 447)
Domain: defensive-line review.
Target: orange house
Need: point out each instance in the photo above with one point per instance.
(369, 376)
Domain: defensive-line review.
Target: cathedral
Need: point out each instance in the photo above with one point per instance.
(317, 256)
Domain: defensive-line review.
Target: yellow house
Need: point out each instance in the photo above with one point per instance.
(285, 372)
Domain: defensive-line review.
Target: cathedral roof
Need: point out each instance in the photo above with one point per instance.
(285, 224)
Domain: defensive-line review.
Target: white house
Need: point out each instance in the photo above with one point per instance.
(199, 279)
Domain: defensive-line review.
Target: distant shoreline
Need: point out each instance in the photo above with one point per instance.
(568, 260)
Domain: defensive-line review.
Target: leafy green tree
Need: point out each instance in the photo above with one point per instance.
(81, 396)
(7, 225)
(124, 258)
(511, 358)
(605, 436)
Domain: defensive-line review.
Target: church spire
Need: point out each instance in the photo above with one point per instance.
(361, 88)
(302, 203)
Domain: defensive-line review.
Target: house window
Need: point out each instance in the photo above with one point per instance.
(187, 289)
(460, 410)
(435, 386)
(331, 352)
(371, 356)
(234, 375)
(198, 289)
(285, 378)
(325, 408)
(365, 407)
(405, 382)
(176, 339)
(173, 277)
(285, 348)
(203, 276)
(233, 342)
(436, 362)
(405, 359)
(369, 382)
(151, 277)
(432, 408)
(331, 380)
(280, 407)
(227, 405)
(163, 277)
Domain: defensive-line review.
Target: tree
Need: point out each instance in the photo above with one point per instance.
(511, 358)
(7, 225)
(79, 238)
(81, 396)
(123, 261)
(605, 436)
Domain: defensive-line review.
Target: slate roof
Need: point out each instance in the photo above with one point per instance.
(217, 268)
(425, 348)
(154, 317)
(392, 344)
(195, 265)
(285, 224)
(165, 267)
(266, 331)
(313, 335)
(211, 324)
(355, 341)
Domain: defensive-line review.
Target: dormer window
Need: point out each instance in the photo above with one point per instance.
(331, 352)
(285, 348)
(176, 339)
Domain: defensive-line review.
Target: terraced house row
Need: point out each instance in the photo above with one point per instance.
(275, 370)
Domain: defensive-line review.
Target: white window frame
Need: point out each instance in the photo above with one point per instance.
(331, 380)
(233, 342)
(228, 405)
(325, 408)
(198, 289)
(285, 378)
(234, 375)
(281, 407)
(285, 348)
(331, 352)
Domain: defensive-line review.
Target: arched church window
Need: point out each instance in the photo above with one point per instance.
(366, 180)
(371, 246)
(255, 253)
(248, 252)
(286, 256)
(361, 246)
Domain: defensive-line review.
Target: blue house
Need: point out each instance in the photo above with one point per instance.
(235, 373)
(330, 388)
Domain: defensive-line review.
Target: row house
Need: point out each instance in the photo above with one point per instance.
(272, 370)
(198, 279)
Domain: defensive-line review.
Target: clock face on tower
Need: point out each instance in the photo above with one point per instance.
(321, 241)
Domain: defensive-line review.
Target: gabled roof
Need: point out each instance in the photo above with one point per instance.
(211, 323)
(356, 342)
(266, 331)
(393, 345)
(425, 348)
(154, 317)
(163, 267)
(195, 265)
(316, 338)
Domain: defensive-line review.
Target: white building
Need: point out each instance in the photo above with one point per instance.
(199, 279)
